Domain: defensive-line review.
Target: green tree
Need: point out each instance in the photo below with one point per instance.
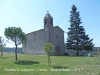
(48, 49)
(2, 45)
(16, 35)
(77, 39)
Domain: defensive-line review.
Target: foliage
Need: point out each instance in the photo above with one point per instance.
(77, 39)
(99, 49)
(2, 44)
(16, 35)
(48, 49)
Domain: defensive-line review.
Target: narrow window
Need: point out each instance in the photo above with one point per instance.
(57, 37)
(45, 21)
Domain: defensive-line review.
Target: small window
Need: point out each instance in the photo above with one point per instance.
(57, 37)
(51, 22)
(45, 21)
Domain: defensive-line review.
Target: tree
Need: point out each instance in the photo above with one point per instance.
(16, 35)
(2, 44)
(48, 49)
(77, 39)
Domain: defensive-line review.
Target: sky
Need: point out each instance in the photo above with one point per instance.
(29, 14)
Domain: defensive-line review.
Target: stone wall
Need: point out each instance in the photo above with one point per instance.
(83, 52)
(35, 42)
(57, 38)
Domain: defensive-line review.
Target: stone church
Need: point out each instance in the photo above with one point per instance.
(50, 33)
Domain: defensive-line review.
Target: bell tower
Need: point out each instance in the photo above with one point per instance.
(48, 26)
(48, 21)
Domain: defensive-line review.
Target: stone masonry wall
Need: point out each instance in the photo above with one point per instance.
(35, 42)
(57, 38)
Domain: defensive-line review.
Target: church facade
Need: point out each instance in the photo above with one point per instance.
(50, 33)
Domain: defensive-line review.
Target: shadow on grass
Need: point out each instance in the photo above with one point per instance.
(58, 67)
(3, 58)
(24, 62)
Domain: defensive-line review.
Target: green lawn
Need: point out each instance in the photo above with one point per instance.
(29, 64)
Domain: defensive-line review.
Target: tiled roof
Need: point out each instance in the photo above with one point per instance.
(43, 29)
(35, 31)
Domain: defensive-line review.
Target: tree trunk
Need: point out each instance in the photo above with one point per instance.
(1, 52)
(16, 53)
(48, 60)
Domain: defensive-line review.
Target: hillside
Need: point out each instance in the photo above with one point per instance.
(7, 49)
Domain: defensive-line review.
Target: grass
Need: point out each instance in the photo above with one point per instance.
(29, 64)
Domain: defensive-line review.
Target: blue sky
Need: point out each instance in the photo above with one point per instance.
(29, 14)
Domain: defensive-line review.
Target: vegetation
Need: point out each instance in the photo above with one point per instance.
(77, 39)
(48, 48)
(27, 62)
(99, 49)
(16, 35)
(2, 45)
